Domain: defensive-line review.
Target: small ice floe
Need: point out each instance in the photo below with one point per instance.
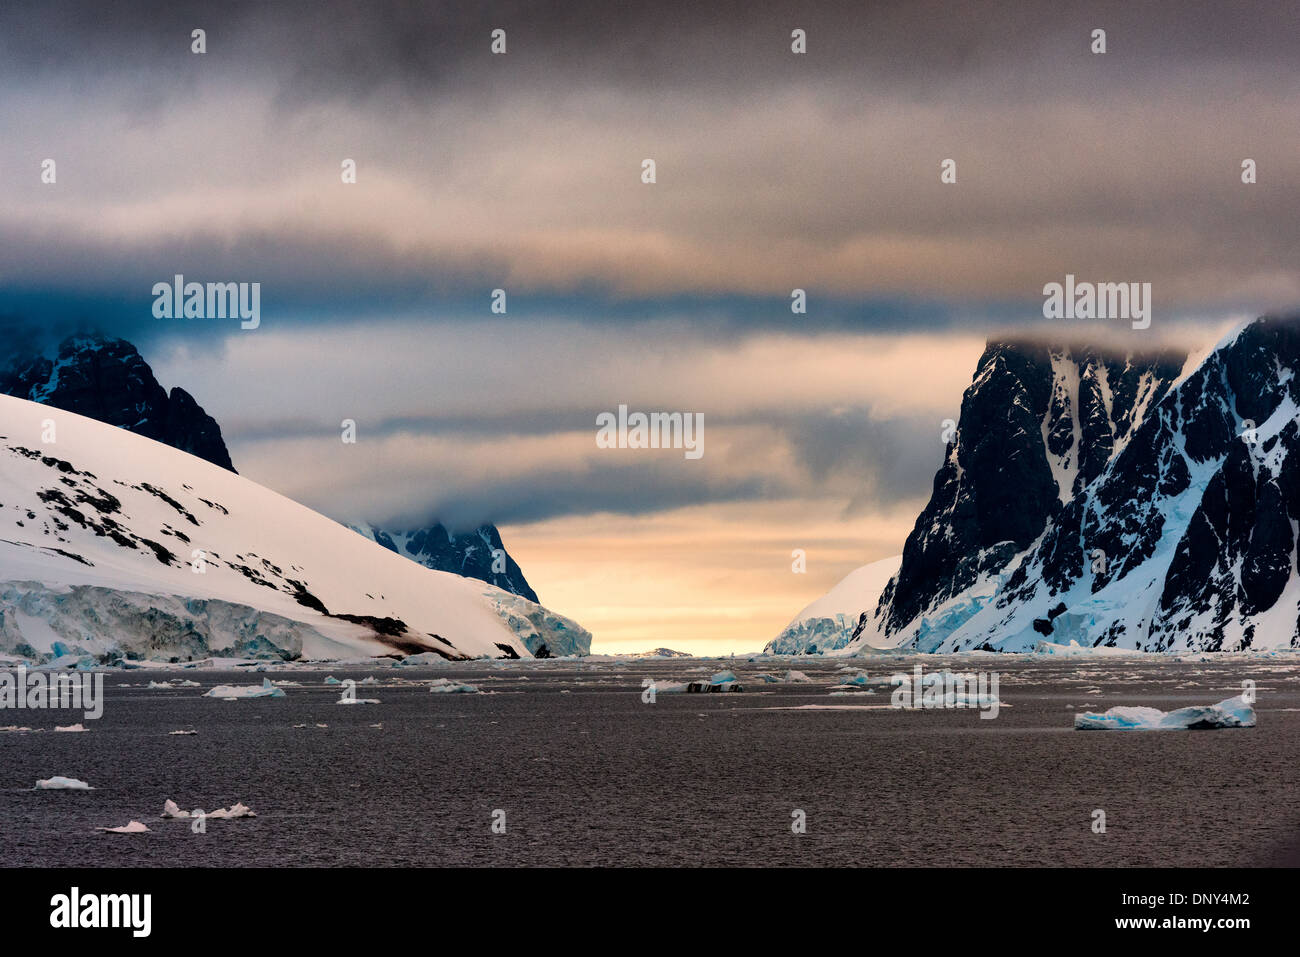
(723, 681)
(377, 724)
(183, 731)
(16, 728)
(331, 680)
(791, 677)
(447, 686)
(134, 827)
(236, 810)
(235, 692)
(368, 680)
(70, 727)
(346, 700)
(60, 783)
(1231, 713)
(156, 685)
(423, 658)
(1074, 649)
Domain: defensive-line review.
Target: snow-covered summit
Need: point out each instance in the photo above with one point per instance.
(112, 544)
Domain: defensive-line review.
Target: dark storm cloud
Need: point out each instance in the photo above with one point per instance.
(333, 48)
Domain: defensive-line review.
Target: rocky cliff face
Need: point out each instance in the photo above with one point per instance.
(478, 554)
(1038, 424)
(1163, 517)
(107, 379)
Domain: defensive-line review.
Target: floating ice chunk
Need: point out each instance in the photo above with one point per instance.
(70, 727)
(791, 677)
(447, 686)
(667, 687)
(1231, 713)
(183, 731)
(723, 681)
(60, 783)
(231, 692)
(135, 827)
(423, 658)
(236, 810)
(346, 700)
(331, 680)
(1074, 649)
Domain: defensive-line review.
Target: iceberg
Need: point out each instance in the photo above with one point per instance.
(447, 686)
(723, 681)
(60, 783)
(1231, 713)
(231, 692)
(134, 827)
(236, 810)
(70, 727)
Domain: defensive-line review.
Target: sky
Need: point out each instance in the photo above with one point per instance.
(775, 171)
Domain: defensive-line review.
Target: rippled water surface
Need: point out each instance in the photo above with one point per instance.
(588, 774)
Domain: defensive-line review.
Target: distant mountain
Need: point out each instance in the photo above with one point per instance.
(107, 380)
(1112, 500)
(829, 622)
(478, 554)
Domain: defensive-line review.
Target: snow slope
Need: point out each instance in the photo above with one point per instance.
(828, 623)
(112, 543)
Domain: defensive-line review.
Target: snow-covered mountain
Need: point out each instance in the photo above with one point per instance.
(107, 379)
(829, 622)
(1112, 500)
(478, 554)
(112, 544)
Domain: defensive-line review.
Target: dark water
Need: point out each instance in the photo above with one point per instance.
(595, 776)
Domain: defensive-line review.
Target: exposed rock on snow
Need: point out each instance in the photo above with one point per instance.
(99, 545)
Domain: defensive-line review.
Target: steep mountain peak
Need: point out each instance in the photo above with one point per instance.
(1171, 522)
(107, 379)
(479, 553)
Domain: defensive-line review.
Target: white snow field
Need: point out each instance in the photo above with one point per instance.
(827, 624)
(111, 543)
(1232, 713)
